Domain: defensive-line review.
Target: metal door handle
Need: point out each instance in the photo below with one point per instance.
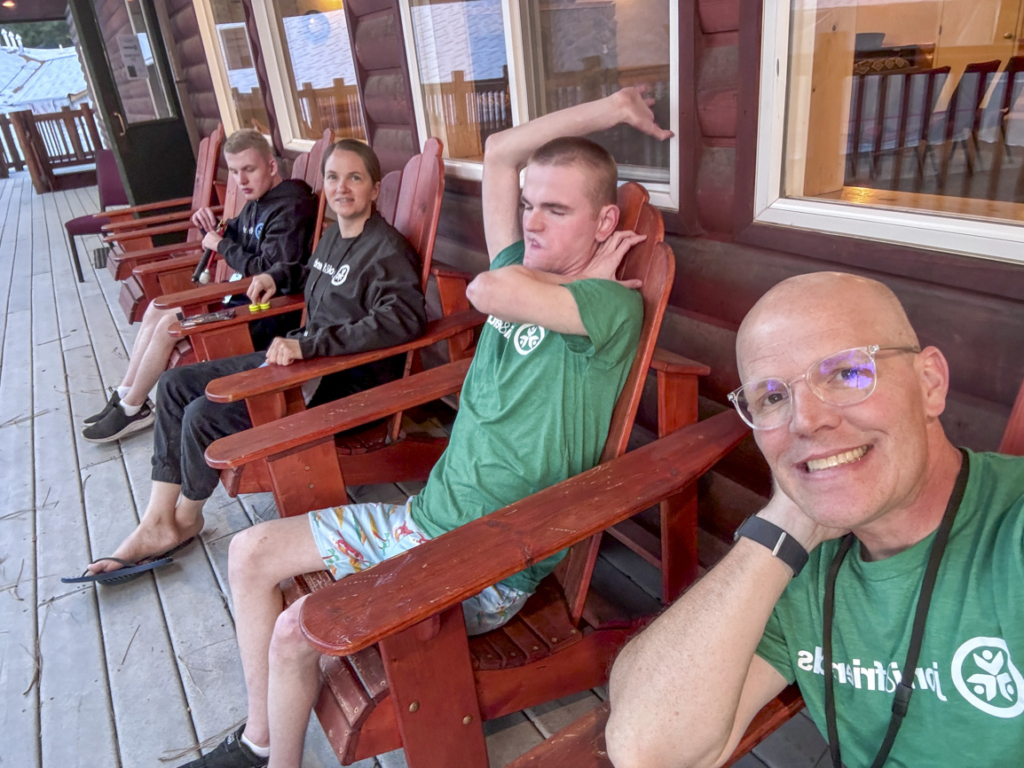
(120, 119)
(1008, 36)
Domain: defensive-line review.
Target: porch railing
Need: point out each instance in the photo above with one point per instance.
(54, 141)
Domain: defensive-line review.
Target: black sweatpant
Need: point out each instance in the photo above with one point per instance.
(187, 423)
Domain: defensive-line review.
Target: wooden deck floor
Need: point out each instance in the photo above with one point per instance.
(145, 674)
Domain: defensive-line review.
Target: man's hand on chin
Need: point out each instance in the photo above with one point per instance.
(784, 512)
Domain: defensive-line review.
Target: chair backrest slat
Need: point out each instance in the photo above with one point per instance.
(653, 262)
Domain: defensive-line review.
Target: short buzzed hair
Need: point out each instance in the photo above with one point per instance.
(595, 159)
(247, 138)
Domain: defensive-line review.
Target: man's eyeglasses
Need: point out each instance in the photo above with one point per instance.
(845, 378)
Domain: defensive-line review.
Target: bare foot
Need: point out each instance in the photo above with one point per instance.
(149, 539)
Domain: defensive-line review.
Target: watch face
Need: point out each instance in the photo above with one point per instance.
(317, 27)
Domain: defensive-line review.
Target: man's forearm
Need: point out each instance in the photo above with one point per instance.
(514, 146)
(675, 688)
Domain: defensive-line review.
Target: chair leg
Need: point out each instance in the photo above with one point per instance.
(74, 259)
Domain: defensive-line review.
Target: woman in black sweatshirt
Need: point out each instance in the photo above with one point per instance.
(362, 293)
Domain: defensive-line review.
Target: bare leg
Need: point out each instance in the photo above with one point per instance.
(142, 339)
(292, 690)
(260, 558)
(153, 361)
(169, 520)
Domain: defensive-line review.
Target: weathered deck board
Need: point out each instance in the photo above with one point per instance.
(19, 708)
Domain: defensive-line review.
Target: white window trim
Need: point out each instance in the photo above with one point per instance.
(662, 195)
(218, 69)
(277, 77)
(920, 229)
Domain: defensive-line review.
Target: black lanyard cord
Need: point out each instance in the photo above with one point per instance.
(905, 689)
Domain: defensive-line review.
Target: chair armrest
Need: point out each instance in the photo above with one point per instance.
(203, 294)
(159, 252)
(167, 265)
(348, 616)
(326, 420)
(135, 234)
(439, 269)
(150, 221)
(278, 378)
(157, 206)
(242, 316)
(665, 361)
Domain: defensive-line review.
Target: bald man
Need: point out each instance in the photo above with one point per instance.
(871, 504)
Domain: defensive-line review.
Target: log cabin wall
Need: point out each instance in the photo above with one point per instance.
(972, 309)
(184, 28)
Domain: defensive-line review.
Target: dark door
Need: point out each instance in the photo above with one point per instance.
(128, 66)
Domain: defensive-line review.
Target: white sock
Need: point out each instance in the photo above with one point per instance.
(129, 410)
(122, 392)
(258, 751)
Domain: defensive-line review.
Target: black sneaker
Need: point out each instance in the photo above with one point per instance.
(115, 398)
(230, 753)
(118, 424)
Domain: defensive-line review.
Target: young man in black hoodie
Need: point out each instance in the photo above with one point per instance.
(272, 234)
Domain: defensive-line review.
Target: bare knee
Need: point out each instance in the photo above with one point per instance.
(163, 325)
(288, 644)
(246, 554)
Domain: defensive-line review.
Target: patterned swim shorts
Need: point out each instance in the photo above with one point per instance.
(355, 537)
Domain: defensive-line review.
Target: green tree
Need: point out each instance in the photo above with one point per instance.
(41, 34)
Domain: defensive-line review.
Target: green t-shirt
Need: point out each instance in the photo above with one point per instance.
(534, 410)
(967, 707)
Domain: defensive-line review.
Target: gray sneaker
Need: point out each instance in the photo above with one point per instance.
(115, 398)
(118, 424)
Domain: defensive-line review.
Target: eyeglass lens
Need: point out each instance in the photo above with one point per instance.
(842, 379)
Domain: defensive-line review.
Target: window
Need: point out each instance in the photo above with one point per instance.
(222, 25)
(310, 67)
(480, 66)
(901, 120)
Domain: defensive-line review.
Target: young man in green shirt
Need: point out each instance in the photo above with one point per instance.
(534, 410)
(845, 407)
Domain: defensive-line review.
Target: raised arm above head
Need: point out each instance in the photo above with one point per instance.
(508, 152)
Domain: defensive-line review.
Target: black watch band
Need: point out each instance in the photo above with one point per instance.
(781, 544)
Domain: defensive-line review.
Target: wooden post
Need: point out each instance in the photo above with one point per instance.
(72, 130)
(307, 93)
(12, 146)
(90, 127)
(23, 128)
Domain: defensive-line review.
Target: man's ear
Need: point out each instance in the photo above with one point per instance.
(274, 169)
(933, 375)
(607, 221)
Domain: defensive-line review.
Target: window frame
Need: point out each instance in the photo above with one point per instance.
(975, 237)
(663, 195)
(218, 69)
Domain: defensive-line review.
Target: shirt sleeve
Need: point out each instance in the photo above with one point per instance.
(774, 649)
(613, 316)
(282, 250)
(513, 254)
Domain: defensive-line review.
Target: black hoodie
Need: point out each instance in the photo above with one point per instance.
(273, 234)
(362, 293)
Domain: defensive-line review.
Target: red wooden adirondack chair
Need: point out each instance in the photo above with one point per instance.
(131, 238)
(173, 274)
(429, 687)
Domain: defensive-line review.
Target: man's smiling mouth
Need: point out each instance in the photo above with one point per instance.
(847, 457)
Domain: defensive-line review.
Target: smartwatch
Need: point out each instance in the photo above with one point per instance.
(781, 544)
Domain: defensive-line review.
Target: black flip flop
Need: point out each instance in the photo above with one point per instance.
(131, 571)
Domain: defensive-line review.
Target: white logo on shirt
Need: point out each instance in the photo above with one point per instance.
(528, 338)
(984, 675)
(340, 276)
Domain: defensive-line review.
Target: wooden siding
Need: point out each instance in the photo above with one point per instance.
(184, 29)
